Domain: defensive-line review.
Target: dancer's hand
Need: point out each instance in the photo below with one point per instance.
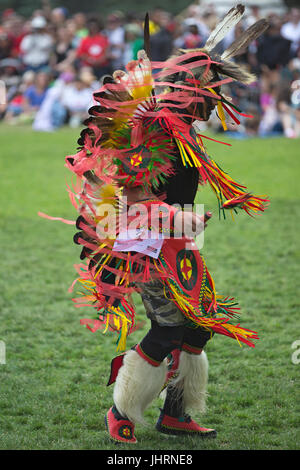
(207, 216)
(190, 224)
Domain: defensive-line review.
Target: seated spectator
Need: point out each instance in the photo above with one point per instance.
(295, 103)
(15, 107)
(134, 42)
(210, 19)
(93, 50)
(77, 97)
(294, 64)
(10, 73)
(289, 109)
(70, 25)
(28, 80)
(192, 39)
(162, 41)
(291, 30)
(243, 56)
(58, 16)
(27, 100)
(194, 17)
(5, 44)
(115, 34)
(270, 120)
(64, 52)
(273, 50)
(37, 46)
(52, 114)
(16, 31)
(251, 126)
(253, 16)
(35, 94)
(7, 13)
(80, 29)
(16, 97)
(154, 25)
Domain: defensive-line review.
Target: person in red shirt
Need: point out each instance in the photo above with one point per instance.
(93, 49)
(193, 40)
(17, 31)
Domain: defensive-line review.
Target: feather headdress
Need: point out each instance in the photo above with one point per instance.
(222, 64)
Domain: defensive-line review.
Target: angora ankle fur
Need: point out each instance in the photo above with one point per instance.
(137, 384)
(193, 377)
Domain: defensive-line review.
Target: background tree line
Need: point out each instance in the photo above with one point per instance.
(26, 7)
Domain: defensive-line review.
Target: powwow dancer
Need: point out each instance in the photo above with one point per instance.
(141, 143)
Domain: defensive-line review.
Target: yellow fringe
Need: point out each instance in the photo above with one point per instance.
(121, 322)
(107, 323)
(122, 341)
(209, 322)
(220, 110)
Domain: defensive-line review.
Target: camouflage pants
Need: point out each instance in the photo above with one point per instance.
(158, 307)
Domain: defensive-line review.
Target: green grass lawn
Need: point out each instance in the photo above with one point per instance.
(53, 392)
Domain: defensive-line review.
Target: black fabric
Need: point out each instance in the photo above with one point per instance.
(197, 337)
(180, 188)
(273, 50)
(162, 340)
(60, 56)
(173, 405)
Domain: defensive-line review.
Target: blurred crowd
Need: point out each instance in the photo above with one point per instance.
(51, 63)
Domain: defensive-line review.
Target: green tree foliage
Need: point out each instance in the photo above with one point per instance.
(292, 3)
(26, 7)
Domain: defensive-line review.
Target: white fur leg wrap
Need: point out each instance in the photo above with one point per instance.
(193, 377)
(137, 384)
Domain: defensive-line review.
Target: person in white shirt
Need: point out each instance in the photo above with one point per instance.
(37, 46)
(116, 36)
(78, 97)
(291, 29)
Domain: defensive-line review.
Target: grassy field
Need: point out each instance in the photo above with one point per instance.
(53, 392)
